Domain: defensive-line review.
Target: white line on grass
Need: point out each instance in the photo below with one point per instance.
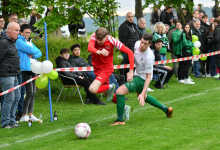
(60, 130)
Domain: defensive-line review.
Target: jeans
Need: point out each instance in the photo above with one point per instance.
(163, 57)
(213, 70)
(22, 90)
(10, 100)
(196, 69)
(111, 79)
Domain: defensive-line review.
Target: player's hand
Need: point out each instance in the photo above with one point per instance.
(168, 67)
(30, 56)
(130, 75)
(104, 52)
(99, 52)
(142, 98)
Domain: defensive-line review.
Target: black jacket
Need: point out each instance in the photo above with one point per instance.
(204, 25)
(129, 34)
(154, 18)
(157, 57)
(78, 62)
(201, 37)
(208, 36)
(63, 63)
(166, 18)
(9, 59)
(216, 38)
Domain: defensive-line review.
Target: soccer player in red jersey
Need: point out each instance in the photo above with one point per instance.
(101, 46)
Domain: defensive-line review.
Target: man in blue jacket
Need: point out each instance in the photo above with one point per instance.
(9, 69)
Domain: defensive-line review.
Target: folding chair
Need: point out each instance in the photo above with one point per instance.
(69, 86)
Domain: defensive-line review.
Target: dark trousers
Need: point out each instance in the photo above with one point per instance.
(181, 76)
(186, 64)
(28, 103)
(213, 70)
(86, 82)
(120, 79)
(217, 61)
(165, 75)
(22, 89)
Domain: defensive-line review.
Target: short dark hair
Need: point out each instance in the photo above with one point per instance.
(204, 16)
(147, 37)
(12, 14)
(217, 20)
(168, 7)
(74, 46)
(24, 26)
(175, 21)
(1, 16)
(158, 41)
(64, 50)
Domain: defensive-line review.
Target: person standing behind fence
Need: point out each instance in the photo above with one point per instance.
(9, 69)
(159, 33)
(154, 18)
(28, 54)
(141, 25)
(187, 45)
(2, 23)
(215, 42)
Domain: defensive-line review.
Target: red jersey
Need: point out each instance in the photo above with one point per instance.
(106, 62)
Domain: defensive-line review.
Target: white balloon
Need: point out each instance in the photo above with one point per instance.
(46, 66)
(36, 67)
(197, 44)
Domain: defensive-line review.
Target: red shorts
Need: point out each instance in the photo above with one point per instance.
(102, 75)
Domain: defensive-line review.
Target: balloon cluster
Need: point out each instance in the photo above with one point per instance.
(196, 50)
(46, 68)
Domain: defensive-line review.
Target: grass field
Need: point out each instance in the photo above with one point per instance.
(194, 125)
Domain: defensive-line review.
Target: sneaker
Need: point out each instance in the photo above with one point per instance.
(17, 117)
(8, 126)
(24, 118)
(16, 125)
(208, 75)
(88, 101)
(126, 112)
(217, 76)
(169, 112)
(214, 76)
(181, 81)
(33, 118)
(111, 93)
(99, 103)
(117, 122)
(149, 90)
(187, 81)
(190, 79)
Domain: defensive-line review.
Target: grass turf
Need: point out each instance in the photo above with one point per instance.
(194, 125)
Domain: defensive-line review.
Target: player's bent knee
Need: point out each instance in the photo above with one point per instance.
(93, 90)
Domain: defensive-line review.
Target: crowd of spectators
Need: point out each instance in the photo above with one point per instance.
(169, 35)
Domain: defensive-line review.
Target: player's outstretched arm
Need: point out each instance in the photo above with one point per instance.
(143, 94)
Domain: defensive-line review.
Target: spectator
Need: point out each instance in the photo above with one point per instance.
(200, 15)
(167, 28)
(178, 48)
(62, 62)
(13, 17)
(9, 69)
(22, 21)
(214, 12)
(174, 13)
(187, 45)
(159, 33)
(128, 35)
(2, 23)
(165, 71)
(167, 16)
(32, 19)
(209, 35)
(154, 18)
(141, 25)
(29, 54)
(215, 42)
(169, 36)
(211, 20)
(195, 17)
(200, 9)
(197, 32)
(204, 22)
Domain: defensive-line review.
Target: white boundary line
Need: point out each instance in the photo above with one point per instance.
(60, 130)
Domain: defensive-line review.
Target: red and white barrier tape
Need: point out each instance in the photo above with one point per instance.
(115, 67)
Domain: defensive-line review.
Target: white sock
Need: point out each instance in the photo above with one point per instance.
(110, 86)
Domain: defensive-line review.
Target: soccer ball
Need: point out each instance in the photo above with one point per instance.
(82, 130)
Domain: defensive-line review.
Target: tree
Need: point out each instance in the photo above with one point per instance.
(138, 9)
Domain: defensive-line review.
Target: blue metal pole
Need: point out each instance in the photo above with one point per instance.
(45, 31)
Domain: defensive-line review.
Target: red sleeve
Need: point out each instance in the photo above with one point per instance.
(91, 46)
(130, 54)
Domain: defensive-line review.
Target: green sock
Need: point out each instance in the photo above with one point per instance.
(120, 106)
(154, 102)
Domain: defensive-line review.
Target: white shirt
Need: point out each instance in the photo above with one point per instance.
(144, 61)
